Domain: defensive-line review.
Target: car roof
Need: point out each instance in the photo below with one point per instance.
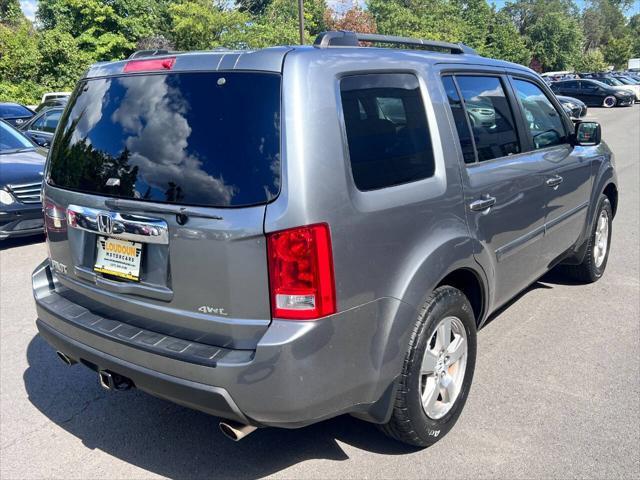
(271, 59)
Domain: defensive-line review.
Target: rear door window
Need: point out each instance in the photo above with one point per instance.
(490, 115)
(460, 119)
(193, 138)
(544, 123)
(387, 131)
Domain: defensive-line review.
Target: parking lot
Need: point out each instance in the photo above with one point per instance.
(556, 390)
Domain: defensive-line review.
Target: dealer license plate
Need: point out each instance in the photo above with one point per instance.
(120, 258)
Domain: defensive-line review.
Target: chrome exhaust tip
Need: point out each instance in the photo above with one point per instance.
(235, 431)
(68, 361)
(112, 381)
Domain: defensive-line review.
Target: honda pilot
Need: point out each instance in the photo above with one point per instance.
(281, 236)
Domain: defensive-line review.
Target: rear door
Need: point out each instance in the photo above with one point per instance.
(503, 187)
(156, 191)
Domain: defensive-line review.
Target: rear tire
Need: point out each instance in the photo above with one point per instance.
(434, 388)
(599, 244)
(609, 101)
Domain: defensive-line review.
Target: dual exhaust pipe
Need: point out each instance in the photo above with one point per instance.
(113, 382)
(108, 380)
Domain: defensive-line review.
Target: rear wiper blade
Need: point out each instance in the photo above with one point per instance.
(138, 206)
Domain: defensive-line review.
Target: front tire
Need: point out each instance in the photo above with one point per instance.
(609, 101)
(437, 371)
(595, 260)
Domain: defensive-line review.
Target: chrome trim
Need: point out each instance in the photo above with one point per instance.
(123, 226)
(26, 192)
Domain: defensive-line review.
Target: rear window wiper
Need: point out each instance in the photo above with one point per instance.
(182, 213)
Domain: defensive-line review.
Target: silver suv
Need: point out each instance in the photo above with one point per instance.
(277, 237)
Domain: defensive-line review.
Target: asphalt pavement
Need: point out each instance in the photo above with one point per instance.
(556, 392)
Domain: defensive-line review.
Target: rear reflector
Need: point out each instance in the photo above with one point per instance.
(301, 273)
(149, 64)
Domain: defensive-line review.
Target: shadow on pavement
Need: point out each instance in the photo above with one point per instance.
(9, 243)
(173, 441)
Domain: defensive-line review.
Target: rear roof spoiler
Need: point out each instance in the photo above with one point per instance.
(343, 38)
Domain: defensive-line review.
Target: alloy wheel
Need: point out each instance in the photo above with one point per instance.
(443, 367)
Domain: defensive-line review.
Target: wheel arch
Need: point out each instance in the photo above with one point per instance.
(469, 282)
(611, 192)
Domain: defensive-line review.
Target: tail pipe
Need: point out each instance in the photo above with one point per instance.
(68, 361)
(235, 431)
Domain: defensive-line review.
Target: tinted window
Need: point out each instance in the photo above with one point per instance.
(387, 132)
(10, 110)
(462, 127)
(11, 139)
(568, 84)
(542, 119)
(490, 116)
(208, 139)
(51, 120)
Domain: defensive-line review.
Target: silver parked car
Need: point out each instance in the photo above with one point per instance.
(277, 237)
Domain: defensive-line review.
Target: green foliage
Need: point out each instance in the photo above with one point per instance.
(71, 34)
(555, 41)
(201, 25)
(10, 12)
(591, 61)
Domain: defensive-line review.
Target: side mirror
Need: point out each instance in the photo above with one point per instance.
(587, 134)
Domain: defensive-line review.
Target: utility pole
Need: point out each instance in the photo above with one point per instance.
(301, 20)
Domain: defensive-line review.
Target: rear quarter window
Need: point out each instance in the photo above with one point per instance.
(387, 132)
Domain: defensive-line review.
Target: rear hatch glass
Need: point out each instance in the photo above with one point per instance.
(206, 139)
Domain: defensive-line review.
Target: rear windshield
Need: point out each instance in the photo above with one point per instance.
(209, 139)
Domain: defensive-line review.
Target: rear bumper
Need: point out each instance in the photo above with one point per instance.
(299, 373)
(21, 220)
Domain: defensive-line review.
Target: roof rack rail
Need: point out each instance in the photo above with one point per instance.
(342, 38)
(151, 53)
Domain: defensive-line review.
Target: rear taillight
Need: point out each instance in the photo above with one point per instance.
(149, 65)
(54, 217)
(301, 273)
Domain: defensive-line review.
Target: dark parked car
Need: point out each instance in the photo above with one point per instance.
(14, 113)
(574, 107)
(283, 236)
(593, 93)
(21, 169)
(42, 127)
(56, 102)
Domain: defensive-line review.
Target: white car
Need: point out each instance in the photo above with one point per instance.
(54, 95)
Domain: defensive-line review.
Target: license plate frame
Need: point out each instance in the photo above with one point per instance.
(118, 258)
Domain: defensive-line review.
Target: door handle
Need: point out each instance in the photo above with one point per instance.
(483, 204)
(554, 181)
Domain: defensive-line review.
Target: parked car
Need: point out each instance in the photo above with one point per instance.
(21, 169)
(14, 113)
(593, 93)
(55, 96)
(630, 83)
(283, 236)
(42, 127)
(58, 102)
(617, 83)
(574, 107)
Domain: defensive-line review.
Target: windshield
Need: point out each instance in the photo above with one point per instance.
(12, 140)
(210, 139)
(626, 81)
(612, 81)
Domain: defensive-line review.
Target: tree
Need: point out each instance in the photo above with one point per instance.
(198, 25)
(555, 41)
(591, 61)
(354, 19)
(634, 32)
(11, 13)
(254, 7)
(504, 42)
(61, 61)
